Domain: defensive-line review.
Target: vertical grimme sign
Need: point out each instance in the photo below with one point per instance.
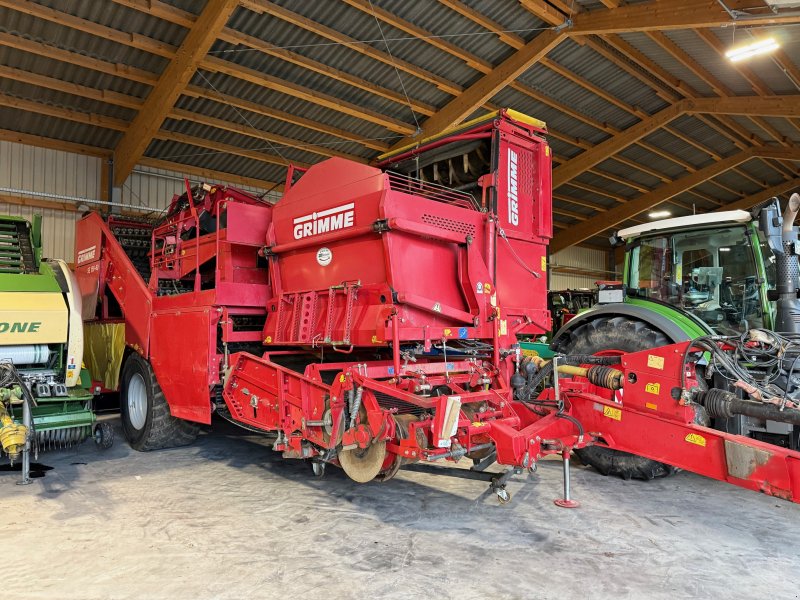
(513, 205)
(338, 217)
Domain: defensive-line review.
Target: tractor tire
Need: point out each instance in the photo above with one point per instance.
(146, 420)
(625, 335)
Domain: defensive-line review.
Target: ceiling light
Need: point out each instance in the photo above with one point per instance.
(753, 49)
(724, 249)
(659, 214)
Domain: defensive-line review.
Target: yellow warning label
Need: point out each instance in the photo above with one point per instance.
(696, 439)
(341, 378)
(544, 263)
(503, 327)
(652, 388)
(487, 288)
(375, 339)
(612, 413)
(268, 340)
(651, 406)
(655, 362)
(478, 424)
(448, 332)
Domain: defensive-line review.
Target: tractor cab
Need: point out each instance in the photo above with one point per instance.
(717, 269)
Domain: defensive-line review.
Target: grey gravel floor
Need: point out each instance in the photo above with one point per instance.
(228, 518)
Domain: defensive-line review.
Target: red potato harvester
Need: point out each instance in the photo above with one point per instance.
(369, 319)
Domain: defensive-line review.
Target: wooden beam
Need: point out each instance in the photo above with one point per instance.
(63, 113)
(462, 8)
(273, 113)
(270, 8)
(662, 15)
(209, 175)
(187, 19)
(264, 136)
(218, 147)
(770, 106)
(315, 97)
(630, 209)
(53, 144)
(38, 203)
(169, 87)
(487, 86)
(543, 11)
(133, 40)
(617, 143)
(763, 196)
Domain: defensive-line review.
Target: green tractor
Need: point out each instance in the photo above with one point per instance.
(45, 396)
(731, 274)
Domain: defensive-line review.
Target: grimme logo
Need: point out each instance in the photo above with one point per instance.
(20, 327)
(87, 254)
(338, 217)
(513, 205)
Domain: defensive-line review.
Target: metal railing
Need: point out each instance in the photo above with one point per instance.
(430, 190)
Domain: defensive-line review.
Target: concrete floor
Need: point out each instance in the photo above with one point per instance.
(228, 518)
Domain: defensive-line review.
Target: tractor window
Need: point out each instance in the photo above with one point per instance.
(709, 273)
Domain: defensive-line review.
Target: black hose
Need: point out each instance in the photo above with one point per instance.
(724, 405)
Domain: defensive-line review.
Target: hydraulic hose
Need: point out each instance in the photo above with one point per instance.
(724, 405)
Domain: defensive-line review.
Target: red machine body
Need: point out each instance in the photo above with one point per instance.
(370, 318)
(181, 301)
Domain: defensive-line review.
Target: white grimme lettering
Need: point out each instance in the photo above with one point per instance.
(513, 205)
(325, 221)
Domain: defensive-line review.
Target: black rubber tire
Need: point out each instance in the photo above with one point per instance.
(104, 435)
(161, 429)
(627, 335)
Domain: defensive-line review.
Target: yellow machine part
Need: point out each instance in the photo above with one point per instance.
(12, 435)
(104, 346)
(32, 318)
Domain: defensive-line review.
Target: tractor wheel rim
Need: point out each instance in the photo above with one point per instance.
(137, 401)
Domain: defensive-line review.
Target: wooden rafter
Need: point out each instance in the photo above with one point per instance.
(169, 87)
(487, 86)
(763, 196)
(620, 213)
(662, 15)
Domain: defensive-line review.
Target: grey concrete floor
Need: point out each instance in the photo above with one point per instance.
(228, 518)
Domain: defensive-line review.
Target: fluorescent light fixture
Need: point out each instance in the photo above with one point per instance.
(754, 49)
(724, 249)
(659, 214)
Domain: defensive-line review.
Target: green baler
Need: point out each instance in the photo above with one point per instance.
(45, 400)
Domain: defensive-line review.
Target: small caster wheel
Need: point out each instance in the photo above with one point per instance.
(104, 435)
(503, 496)
(318, 467)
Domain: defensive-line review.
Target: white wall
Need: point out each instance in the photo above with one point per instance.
(155, 188)
(52, 173)
(45, 175)
(585, 259)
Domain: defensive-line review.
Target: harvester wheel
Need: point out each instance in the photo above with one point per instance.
(608, 335)
(146, 420)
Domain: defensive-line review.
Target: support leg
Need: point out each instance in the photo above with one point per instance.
(566, 501)
(27, 422)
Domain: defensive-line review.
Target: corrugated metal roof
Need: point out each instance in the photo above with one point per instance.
(595, 121)
(654, 52)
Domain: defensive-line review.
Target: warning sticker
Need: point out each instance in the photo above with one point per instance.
(612, 413)
(655, 362)
(544, 263)
(652, 388)
(696, 439)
